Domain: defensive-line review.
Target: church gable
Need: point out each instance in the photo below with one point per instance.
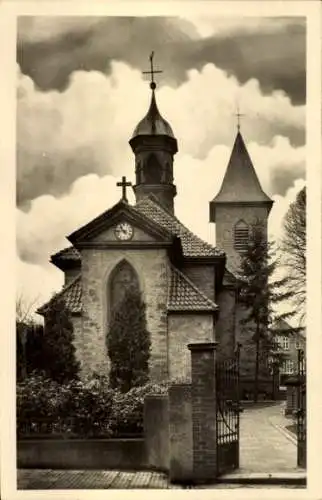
(120, 225)
(123, 229)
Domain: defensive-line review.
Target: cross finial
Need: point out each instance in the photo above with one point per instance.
(124, 183)
(152, 71)
(239, 115)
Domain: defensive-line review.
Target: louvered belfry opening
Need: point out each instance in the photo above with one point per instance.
(241, 236)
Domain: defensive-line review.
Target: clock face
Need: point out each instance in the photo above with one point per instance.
(124, 231)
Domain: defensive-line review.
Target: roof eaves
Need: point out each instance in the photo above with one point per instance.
(42, 309)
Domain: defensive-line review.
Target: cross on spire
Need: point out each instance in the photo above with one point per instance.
(152, 71)
(124, 184)
(239, 115)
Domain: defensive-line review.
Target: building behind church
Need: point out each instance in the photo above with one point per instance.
(188, 285)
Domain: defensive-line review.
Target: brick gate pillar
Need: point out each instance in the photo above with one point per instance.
(203, 395)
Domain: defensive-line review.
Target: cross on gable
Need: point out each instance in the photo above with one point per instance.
(124, 184)
(152, 71)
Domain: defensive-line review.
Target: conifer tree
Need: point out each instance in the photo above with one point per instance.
(128, 342)
(260, 293)
(59, 352)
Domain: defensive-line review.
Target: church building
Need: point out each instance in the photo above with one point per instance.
(188, 285)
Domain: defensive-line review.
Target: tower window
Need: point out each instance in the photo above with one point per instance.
(241, 236)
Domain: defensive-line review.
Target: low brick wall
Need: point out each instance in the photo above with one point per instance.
(156, 431)
(123, 454)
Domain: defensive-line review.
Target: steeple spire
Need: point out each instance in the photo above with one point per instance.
(239, 203)
(153, 123)
(154, 146)
(240, 183)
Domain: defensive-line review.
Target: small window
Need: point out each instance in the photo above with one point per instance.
(241, 236)
(284, 342)
(288, 366)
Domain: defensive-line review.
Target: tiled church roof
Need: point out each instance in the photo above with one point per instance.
(192, 245)
(184, 295)
(69, 253)
(72, 295)
(240, 183)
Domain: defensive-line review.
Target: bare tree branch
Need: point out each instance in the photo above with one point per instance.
(293, 246)
(24, 308)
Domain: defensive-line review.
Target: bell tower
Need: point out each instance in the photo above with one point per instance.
(154, 146)
(239, 203)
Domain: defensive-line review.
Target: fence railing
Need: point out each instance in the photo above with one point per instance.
(62, 428)
(70, 428)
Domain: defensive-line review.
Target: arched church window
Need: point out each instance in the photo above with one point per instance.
(241, 236)
(122, 278)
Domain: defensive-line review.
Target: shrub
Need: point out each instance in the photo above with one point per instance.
(80, 409)
(88, 407)
(37, 404)
(127, 413)
(75, 409)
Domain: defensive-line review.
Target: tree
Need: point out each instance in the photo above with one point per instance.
(293, 244)
(24, 326)
(59, 351)
(260, 292)
(128, 342)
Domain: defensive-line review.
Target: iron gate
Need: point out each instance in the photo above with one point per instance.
(301, 409)
(228, 410)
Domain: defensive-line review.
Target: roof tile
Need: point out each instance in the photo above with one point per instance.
(72, 295)
(69, 253)
(192, 245)
(184, 295)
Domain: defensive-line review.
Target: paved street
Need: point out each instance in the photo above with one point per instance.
(98, 479)
(264, 448)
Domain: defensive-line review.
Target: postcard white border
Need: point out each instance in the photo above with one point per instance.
(8, 13)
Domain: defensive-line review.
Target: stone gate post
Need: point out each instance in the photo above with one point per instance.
(203, 396)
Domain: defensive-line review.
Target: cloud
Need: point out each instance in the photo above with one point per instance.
(72, 148)
(41, 231)
(51, 49)
(206, 177)
(91, 195)
(62, 136)
(281, 206)
(37, 283)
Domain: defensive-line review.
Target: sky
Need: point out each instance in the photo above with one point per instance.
(81, 92)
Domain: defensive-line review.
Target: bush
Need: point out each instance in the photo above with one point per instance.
(80, 409)
(127, 413)
(75, 409)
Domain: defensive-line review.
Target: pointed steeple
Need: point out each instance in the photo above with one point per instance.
(240, 184)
